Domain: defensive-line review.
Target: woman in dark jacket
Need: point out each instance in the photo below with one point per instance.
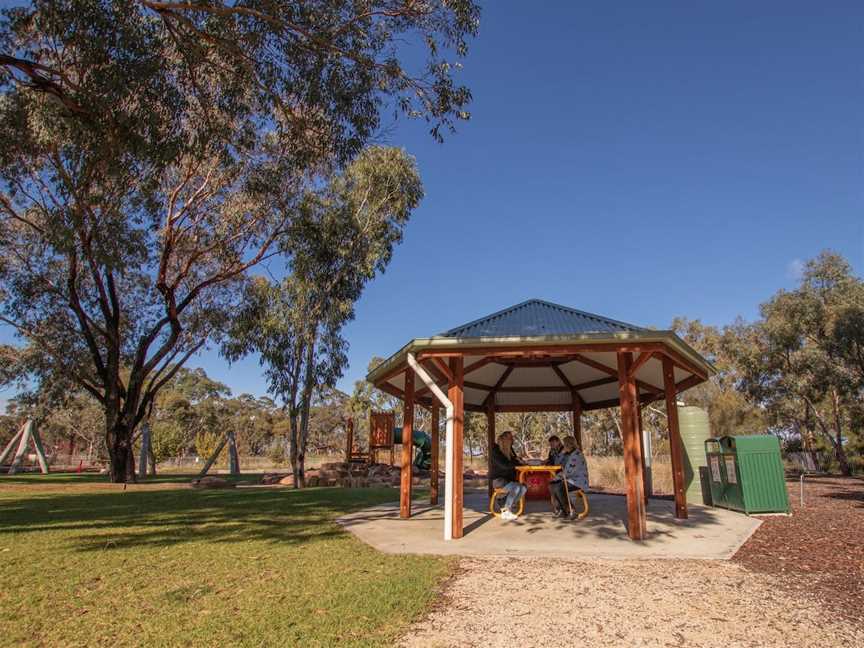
(503, 473)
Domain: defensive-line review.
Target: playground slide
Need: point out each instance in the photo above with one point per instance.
(423, 444)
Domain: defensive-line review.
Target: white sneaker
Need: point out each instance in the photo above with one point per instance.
(508, 515)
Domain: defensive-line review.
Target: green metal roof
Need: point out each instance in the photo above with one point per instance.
(538, 323)
(536, 317)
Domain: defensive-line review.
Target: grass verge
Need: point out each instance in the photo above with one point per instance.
(87, 563)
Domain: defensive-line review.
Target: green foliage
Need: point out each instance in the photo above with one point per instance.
(168, 438)
(344, 237)
(9, 425)
(154, 152)
(801, 361)
(206, 443)
(729, 409)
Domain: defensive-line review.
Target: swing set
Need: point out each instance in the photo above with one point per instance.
(26, 435)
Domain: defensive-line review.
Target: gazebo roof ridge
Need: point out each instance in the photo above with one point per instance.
(538, 317)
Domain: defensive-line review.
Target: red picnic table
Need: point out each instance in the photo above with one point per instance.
(536, 478)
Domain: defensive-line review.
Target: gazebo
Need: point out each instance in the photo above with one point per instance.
(540, 356)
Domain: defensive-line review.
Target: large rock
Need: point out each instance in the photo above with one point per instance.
(332, 473)
(272, 478)
(334, 466)
(212, 482)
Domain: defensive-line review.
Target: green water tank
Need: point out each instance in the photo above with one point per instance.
(695, 429)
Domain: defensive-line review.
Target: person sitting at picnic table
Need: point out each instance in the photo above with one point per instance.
(502, 472)
(574, 469)
(556, 451)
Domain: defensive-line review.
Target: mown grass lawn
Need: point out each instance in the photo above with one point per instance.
(87, 563)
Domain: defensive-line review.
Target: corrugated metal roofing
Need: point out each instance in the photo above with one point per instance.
(536, 317)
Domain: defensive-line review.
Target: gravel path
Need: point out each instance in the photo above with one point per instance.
(539, 602)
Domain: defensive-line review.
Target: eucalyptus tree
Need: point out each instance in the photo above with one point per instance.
(802, 360)
(729, 409)
(344, 236)
(153, 152)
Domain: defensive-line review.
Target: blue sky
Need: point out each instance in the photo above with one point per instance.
(637, 161)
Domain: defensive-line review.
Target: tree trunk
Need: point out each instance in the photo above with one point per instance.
(305, 404)
(121, 454)
(293, 451)
(839, 450)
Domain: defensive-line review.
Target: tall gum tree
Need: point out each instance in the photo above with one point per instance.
(154, 152)
(345, 236)
(801, 360)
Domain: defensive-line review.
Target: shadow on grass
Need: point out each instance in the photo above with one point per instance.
(96, 521)
(61, 478)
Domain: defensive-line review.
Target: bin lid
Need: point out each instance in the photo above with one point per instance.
(712, 444)
(755, 443)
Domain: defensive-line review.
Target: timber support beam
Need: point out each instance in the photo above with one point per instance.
(675, 446)
(633, 466)
(407, 446)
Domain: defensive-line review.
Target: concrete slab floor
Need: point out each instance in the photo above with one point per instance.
(708, 533)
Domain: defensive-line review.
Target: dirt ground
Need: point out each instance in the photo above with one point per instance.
(820, 548)
(797, 582)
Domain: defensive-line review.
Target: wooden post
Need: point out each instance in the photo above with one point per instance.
(645, 448)
(490, 443)
(37, 446)
(233, 457)
(407, 446)
(213, 456)
(28, 433)
(627, 396)
(144, 455)
(675, 448)
(433, 468)
(151, 459)
(577, 420)
(8, 449)
(22, 448)
(456, 396)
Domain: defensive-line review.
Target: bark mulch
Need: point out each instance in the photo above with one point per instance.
(820, 547)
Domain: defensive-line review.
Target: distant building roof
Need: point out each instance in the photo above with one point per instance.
(536, 317)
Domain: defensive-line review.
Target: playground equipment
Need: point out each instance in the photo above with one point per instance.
(233, 457)
(384, 435)
(422, 443)
(26, 433)
(145, 455)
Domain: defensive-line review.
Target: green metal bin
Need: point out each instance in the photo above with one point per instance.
(746, 474)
